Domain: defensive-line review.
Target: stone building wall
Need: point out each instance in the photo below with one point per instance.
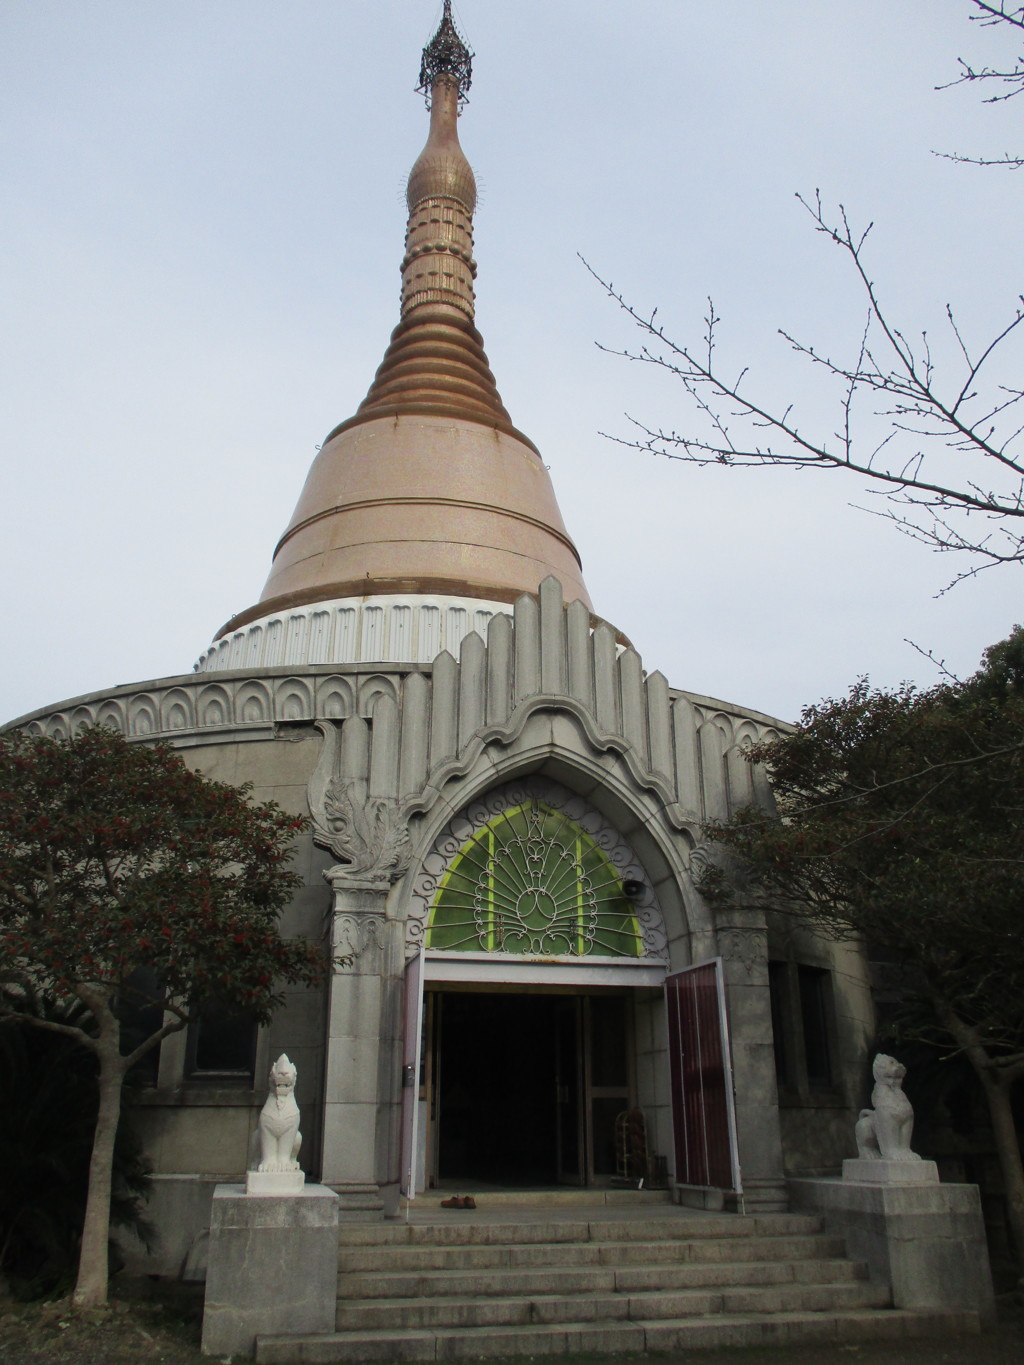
(547, 694)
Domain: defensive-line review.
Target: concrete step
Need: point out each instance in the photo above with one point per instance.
(727, 1329)
(755, 1251)
(660, 1267)
(523, 1309)
(545, 1281)
(459, 1229)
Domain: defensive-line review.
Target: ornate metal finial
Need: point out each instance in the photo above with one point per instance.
(446, 55)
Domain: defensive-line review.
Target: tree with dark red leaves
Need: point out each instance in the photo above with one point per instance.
(121, 866)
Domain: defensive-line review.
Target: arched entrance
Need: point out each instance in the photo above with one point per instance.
(541, 944)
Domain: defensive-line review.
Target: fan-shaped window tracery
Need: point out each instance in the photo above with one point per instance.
(532, 881)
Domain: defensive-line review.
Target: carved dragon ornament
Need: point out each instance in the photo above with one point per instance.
(366, 834)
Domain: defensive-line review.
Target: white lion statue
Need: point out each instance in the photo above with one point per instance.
(278, 1131)
(883, 1132)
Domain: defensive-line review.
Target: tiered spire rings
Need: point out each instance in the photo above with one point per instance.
(428, 490)
(436, 363)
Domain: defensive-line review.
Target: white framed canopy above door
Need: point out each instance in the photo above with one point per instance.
(508, 969)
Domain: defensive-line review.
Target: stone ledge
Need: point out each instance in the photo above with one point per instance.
(882, 1172)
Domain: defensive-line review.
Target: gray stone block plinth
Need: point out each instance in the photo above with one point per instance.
(273, 1267)
(890, 1172)
(926, 1242)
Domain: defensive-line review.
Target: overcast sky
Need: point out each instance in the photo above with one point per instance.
(201, 231)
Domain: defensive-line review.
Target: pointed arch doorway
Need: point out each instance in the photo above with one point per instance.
(541, 940)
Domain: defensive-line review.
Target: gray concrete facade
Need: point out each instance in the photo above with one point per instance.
(384, 758)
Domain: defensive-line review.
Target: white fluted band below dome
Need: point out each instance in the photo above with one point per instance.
(406, 629)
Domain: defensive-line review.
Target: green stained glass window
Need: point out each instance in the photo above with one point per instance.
(532, 881)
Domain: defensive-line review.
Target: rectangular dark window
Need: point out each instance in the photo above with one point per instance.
(815, 1011)
(778, 988)
(221, 1045)
(139, 1008)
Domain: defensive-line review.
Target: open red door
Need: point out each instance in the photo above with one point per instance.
(703, 1112)
(412, 1027)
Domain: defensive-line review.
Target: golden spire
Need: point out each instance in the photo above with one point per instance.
(436, 364)
(428, 488)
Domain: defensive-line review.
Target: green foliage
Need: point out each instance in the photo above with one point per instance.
(117, 859)
(901, 816)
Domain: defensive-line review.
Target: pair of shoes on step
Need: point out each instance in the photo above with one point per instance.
(459, 1201)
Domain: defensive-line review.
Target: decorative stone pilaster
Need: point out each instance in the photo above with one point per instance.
(351, 1082)
(368, 834)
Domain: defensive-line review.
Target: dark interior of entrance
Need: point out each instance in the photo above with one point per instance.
(527, 1087)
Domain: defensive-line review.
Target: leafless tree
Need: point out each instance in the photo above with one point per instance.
(933, 430)
(1003, 83)
(947, 460)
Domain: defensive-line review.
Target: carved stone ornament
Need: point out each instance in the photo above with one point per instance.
(883, 1132)
(749, 947)
(365, 833)
(354, 934)
(884, 1155)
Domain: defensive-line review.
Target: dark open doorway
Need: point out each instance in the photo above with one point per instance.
(527, 1086)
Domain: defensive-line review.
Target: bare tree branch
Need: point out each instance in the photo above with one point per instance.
(950, 450)
(1009, 80)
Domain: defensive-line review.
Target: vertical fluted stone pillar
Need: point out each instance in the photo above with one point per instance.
(743, 946)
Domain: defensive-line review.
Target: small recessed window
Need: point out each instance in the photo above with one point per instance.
(814, 986)
(221, 1045)
(778, 984)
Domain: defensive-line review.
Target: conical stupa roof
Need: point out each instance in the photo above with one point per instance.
(428, 487)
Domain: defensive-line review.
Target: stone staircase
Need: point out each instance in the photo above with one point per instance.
(553, 1280)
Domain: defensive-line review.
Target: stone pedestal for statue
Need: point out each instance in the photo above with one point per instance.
(275, 1182)
(273, 1267)
(924, 1240)
(881, 1172)
(273, 1249)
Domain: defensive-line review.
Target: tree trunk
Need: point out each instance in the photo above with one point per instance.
(997, 1087)
(997, 1093)
(93, 1267)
